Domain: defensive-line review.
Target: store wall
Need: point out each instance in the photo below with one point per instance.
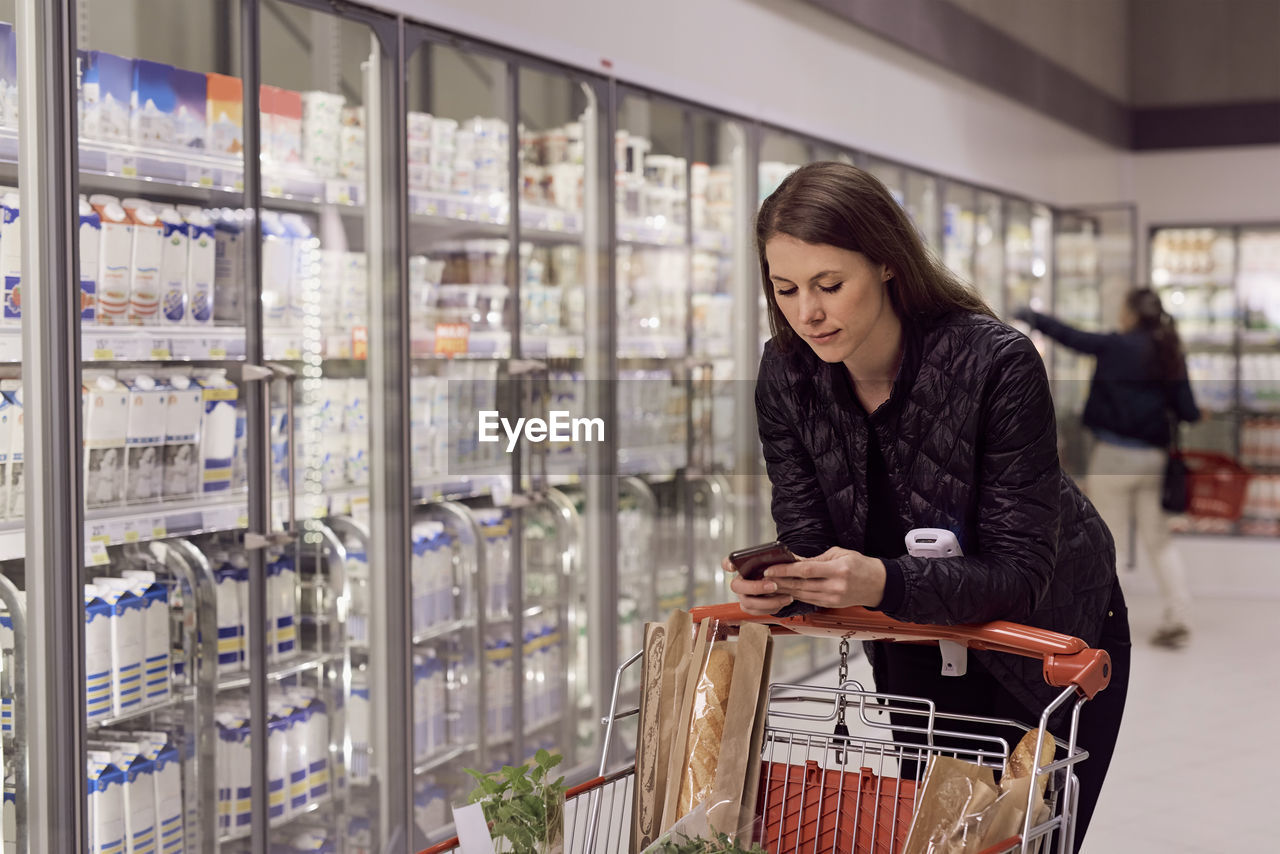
(762, 57)
(1089, 38)
(1218, 185)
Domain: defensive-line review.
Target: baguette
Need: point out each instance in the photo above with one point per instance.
(1021, 761)
(706, 729)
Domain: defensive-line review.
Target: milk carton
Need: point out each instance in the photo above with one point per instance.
(304, 263)
(106, 420)
(225, 111)
(356, 418)
(144, 437)
(316, 723)
(106, 804)
(11, 257)
(218, 433)
(6, 660)
(230, 617)
(157, 684)
(8, 424)
(202, 261)
(153, 104)
(174, 268)
(190, 117)
(299, 731)
(235, 761)
(422, 746)
(128, 637)
(279, 724)
(228, 283)
(358, 724)
(239, 563)
(148, 249)
(240, 457)
(286, 141)
(277, 269)
(167, 775)
(97, 653)
(280, 437)
(139, 794)
(107, 87)
(183, 416)
(282, 606)
(115, 259)
(90, 250)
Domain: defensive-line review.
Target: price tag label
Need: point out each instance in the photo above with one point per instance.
(160, 350)
(242, 520)
(292, 354)
(238, 185)
(95, 554)
(129, 168)
(275, 189)
(159, 529)
(98, 533)
(103, 354)
(217, 351)
(133, 531)
(360, 342)
(452, 339)
(562, 347)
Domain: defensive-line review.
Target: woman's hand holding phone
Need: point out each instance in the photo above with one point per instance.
(837, 578)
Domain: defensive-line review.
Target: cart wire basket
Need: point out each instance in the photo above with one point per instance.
(843, 768)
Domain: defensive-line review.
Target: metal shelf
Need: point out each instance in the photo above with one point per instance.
(143, 343)
(115, 720)
(460, 487)
(311, 807)
(442, 759)
(293, 668)
(442, 630)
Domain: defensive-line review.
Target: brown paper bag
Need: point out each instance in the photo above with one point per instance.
(687, 675)
(666, 648)
(953, 789)
(736, 756)
(751, 785)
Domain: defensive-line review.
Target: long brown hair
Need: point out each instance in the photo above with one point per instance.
(1151, 318)
(834, 204)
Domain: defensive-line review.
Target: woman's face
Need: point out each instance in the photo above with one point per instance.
(1128, 319)
(832, 298)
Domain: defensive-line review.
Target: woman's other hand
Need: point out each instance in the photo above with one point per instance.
(756, 597)
(837, 578)
(1026, 315)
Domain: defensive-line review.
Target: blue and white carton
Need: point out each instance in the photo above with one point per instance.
(157, 684)
(153, 105)
(190, 115)
(99, 686)
(218, 433)
(11, 257)
(106, 804)
(167, 776)
(174, 268)
(128, 632)
(139, 794)
(107, 89)
(90, 252)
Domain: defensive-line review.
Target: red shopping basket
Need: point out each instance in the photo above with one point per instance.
(807, 808)
(1216, 485)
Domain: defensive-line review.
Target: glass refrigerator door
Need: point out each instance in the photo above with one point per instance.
(989, 255)
(959, 230)
(892, 175)
(464, 259)
(780, 155)
(1077, 296)
(1027, 245)
(922, 205)
(1259, 283)
(653, 295)
(1195, 272)
(13, 586)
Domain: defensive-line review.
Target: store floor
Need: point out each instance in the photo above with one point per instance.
(1196, 764)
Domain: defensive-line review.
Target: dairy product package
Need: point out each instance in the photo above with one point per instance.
(235, 762)
(321, 125)
(8, 423)
(277, 269)
(229, 262)
(156, 686)
(267, 121)
(183, 416)
(167, 775)
(144, 437)
(191, 109)
(230, 620)
(280, 431)
(351, 143)
(17, 463)
(358, 723)
(90, 250)
(357, 432)
(106, 804)
(218, 430)
(97, 653)
(239, 563)
(139, 793)
(286, 138)
(314, 719)
(11, 257)
(299, 766)
(8, 76)
(107, 90)
(152, 104)
(128, 631)
(106, 422)
(202, 261)
(279, 725)
(421, 712)
(148, 249)
(174, 268)
(225, 113)
(115, 259)
(304, 264)
(6, 655)
(282, 606)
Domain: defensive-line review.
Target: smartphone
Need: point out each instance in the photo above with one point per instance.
(752, 562)
(932, 542)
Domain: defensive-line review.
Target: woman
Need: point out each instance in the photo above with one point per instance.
(890, 398)
(1139, 386)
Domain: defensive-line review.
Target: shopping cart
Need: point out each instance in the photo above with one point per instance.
(1216, 485)
(856, 792)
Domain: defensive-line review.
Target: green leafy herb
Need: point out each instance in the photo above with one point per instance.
(722, 844)
(524, 808)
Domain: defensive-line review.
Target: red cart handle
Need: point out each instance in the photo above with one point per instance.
(1068, 661)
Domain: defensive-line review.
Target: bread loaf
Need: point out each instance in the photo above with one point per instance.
(706, 728)
(1021, 761)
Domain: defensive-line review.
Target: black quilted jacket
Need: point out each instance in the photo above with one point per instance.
(969, 442)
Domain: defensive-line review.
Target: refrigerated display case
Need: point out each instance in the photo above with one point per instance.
(989, 255)
(1027, 246)
(1219, 283)
(921, 203)
(959, 230)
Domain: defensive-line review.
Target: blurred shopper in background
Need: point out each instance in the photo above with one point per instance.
(1139, 395)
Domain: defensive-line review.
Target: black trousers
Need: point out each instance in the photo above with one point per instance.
(915, 671)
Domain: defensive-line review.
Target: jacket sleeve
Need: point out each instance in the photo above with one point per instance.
(1184, 402)
(799, 505)
(1092, 343)
(1007, 567)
